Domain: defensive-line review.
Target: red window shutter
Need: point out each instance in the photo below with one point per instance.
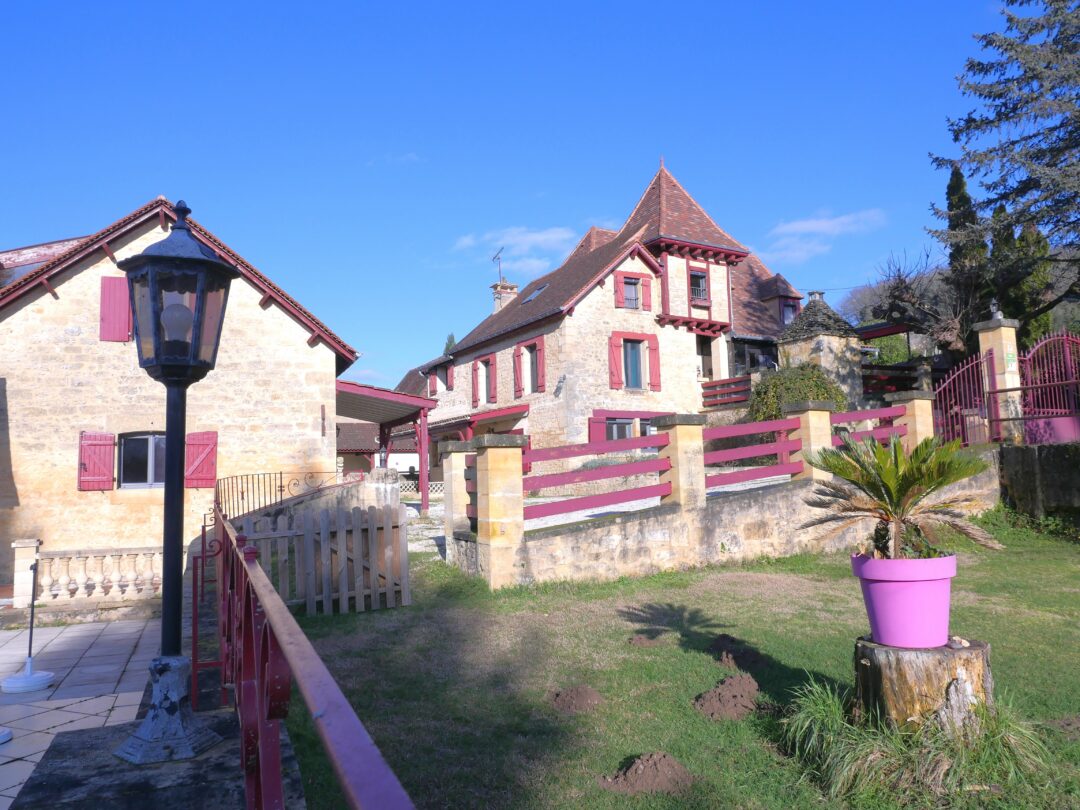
(539, 358)
(654, 362)
(620, 291)
(518, 387)
(493, 381)
(431, 385)
(615, 362)
(97, 460)
(475, 383)
(597, 429)
(115, 315)
(646, 294)
(200, 460)
(450, 377)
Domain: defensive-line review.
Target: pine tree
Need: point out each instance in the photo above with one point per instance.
(1033, 251)
(967, 272)
(1023, 142)
(450, 343)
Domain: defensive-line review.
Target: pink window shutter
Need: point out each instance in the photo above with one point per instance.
(597, 429)
(431, 384)
(519, 389)
(539, 358)
(493, 381)
(450, 377)
(97, 460)
(475, 383)
(646, 294)
(620, 291)
(654, 362)
(615, 379)
(115, 313)
(200, 460)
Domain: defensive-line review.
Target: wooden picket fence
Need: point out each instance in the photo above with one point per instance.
(352, 558)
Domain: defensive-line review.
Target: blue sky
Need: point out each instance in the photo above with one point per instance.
(370, 158)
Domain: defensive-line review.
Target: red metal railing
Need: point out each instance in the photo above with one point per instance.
(538, 483)
(883, 416)
(961, 408)
(781, 446)
(725, 392)
(263, 650)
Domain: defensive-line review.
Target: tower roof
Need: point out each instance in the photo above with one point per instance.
(817, 318)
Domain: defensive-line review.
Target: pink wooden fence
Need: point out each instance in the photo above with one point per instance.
(778, 444)
(725, 392)
(883, 416)
(540, 482)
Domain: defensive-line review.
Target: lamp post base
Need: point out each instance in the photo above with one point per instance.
(170, 730)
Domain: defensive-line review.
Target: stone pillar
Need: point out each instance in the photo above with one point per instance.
(23, 582)
(814, 432)
(500, 503)
(919, 415)
(455, 496)
(999, 336)
(686, 451)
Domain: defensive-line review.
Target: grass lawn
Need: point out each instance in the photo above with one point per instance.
(455, 689)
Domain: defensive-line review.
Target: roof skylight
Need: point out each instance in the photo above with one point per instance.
(535, 293)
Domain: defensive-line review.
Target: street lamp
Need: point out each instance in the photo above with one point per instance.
(178, 289)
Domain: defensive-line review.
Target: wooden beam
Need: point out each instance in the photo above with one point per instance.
(264, 302)
(161, 219)
(45, 283)
(108, 251)
(314, 339)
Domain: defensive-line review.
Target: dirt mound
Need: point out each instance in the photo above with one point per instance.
(734, 653)
(639, 640)
(650, 773)
(576, 699)
(731, 699)
(1069, 726)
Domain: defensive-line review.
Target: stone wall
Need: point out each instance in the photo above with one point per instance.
(381, 487)
(839, 357)
(271, 400)
(1042, 479)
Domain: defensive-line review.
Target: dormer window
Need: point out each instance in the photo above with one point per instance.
(631, 299)
(788, 311)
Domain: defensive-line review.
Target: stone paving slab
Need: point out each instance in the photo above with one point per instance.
(101, 673)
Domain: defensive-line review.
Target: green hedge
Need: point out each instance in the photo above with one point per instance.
(796, 384)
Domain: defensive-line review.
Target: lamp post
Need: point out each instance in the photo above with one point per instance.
(178, 290)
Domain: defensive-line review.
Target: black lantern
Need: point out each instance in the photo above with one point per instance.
(179, 288)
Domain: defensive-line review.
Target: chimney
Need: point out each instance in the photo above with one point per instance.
(504, 292)
(817, 295)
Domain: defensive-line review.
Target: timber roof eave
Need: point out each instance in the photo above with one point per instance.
(160, 207)
(632, 249)
(732, 255)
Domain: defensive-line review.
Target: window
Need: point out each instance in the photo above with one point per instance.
(631, 300)
(535, 293)
(632, 363)
(534, 368)
(142, 460)
(618, 429)
(699, 286)
(788, 312)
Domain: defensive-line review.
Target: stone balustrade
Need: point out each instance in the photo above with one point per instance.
(66, 576)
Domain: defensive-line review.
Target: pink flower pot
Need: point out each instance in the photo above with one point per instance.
(907, 601)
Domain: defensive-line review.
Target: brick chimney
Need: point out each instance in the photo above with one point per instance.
(504, 292)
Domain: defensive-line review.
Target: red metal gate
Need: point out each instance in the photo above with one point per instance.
(961, 408)
(1051, 390)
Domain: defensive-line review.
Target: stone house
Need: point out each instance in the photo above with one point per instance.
(81, 425)
(628, 327)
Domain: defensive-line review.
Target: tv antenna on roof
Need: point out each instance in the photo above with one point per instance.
(497, 258)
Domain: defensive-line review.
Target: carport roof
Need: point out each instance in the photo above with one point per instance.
(382, 406)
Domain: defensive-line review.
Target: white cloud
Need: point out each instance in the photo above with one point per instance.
(526, 252)
(800, 240)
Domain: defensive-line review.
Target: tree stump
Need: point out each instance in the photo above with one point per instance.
(904, 686)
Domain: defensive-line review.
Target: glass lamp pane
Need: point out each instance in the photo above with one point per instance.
(177, 319)
(213, 313)
(144, 317)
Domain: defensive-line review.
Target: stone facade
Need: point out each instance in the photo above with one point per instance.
(271, 400)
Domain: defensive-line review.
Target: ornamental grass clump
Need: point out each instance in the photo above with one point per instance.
(902, 492)
(918, 764)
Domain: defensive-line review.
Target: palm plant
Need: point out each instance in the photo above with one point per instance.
(901, 491)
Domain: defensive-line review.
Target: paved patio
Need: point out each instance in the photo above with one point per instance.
(101, 671)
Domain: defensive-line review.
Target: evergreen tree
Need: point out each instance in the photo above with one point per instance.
(1003, 269)
(967, 272)
(1023, 142)
(450, 343)
(1033, 252)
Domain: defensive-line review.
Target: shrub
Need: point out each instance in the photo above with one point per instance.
(795, 384)
(865, 756)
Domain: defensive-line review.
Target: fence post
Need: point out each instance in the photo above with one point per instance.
(455, 496)
(999, 336)
(918, 415)
(500, 518)
(814, 433)
(686, 451)
(23, 579)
